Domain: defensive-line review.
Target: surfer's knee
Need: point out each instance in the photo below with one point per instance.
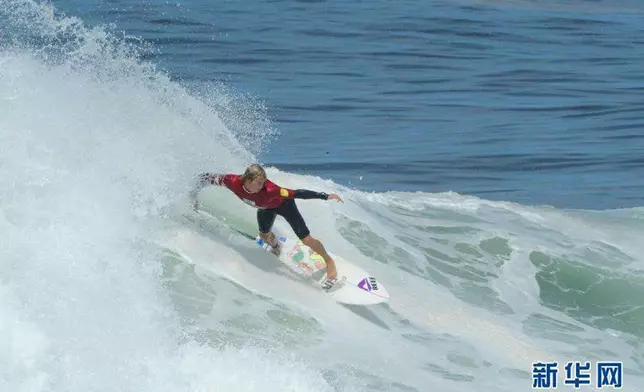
(302, 233)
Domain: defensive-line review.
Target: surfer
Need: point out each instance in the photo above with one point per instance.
(255, 189)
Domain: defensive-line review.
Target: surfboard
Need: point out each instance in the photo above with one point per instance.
(355, 286)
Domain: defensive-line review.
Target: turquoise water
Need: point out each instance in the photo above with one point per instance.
(487, 153)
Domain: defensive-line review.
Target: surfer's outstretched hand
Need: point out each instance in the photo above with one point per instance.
(336, 197)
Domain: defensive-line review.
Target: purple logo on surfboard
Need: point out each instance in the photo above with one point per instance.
(368, 284)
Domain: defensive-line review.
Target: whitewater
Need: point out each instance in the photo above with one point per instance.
(99, 150)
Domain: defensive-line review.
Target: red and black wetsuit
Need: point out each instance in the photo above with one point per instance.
(270, 201)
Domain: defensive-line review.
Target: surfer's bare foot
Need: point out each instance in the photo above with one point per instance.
(269, 238)
(331, 272)
(272, 241)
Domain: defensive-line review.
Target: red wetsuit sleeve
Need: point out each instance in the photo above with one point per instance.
(224, 180)
(217, 179)
(212, 179)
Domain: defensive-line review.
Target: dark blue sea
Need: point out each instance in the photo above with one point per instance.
(533, 102)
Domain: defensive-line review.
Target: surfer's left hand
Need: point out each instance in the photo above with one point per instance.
(336, 197)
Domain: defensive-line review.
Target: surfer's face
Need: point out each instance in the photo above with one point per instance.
(255, 185)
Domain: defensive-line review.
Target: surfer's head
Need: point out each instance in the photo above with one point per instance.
(253, 178)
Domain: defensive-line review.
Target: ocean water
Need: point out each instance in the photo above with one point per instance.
(487, 152)
(524, 101)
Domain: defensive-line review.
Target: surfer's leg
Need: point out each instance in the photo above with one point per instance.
(265, 220)
(290, 212)
(318, 248)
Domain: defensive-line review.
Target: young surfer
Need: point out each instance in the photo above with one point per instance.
(255, 189)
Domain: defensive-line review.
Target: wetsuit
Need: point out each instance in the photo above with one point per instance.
(270, 201)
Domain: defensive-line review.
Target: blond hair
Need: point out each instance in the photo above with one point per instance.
(253, 172)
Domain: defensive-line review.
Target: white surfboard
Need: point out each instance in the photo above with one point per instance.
(355, 286)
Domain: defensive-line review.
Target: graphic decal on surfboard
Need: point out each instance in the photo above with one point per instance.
(368, 284)
(303, 260)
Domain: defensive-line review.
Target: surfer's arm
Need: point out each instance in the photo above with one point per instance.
(302, 193)
(307, 194)
(205, 179)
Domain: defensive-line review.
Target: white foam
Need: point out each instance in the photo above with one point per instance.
(95, 148)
